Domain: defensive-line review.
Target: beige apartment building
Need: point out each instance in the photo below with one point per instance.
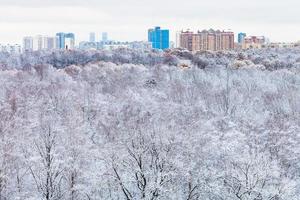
(254, 42)
(206, 40)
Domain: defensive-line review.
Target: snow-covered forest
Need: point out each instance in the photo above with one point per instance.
(134, 125)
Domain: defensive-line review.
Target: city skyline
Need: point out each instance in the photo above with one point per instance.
(18, 18)
(213, 40)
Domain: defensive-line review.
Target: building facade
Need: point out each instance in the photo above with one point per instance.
(50, 43)
(28, 43)
(140, 45)
(92, 37)
(39, 42)
(84, 45)
(254, 42)
(159, 38)
(66, 40)
(241, 37)
(10, 48)
(104, 37)
(177, 39)
(206, 40)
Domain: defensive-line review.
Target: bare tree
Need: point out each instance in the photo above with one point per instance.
(146, 163)
(251, 180)
(192, 191)
(47, 173)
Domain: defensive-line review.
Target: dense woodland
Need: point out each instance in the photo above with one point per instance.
(134, 125)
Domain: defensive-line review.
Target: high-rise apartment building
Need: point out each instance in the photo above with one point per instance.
(104, 37)
(50, 43)
(187, 40)
(92, 37)
(28, 43)
(207, 40)
(177, 41)
(241, 37)
(66, 40)
(254, 42)
(39, 42)
(159, 38)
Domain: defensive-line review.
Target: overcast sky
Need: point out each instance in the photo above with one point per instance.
(128, 20)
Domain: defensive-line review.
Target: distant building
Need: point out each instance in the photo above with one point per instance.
(187, 40)
(66, 40)
(104, 37)
(241, 37)
(89, 45)
(140, 45)
(39, 42)
(92, 37)
(207, 40)
(159, 38)
(60, 40)
(10, 48)
(115, 46)
(177, 43)
(109, 45)
(172, 45)
(281, 45)
(50, 43)
(254, 42)
(28, 43)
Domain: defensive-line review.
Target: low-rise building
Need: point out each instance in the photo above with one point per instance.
(10, 48)
(143, 45)
(84, 45)
(115, 46)
(109, 45)
(281, 45)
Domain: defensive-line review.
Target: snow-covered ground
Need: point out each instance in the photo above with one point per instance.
(138, 125)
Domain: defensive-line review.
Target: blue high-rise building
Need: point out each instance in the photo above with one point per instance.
(241, 37)
(159, 38)
(62, 37)
(60, 40)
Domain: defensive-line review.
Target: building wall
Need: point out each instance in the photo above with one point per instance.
(211, 42)
(10, 48)
(27, 43)
(241, 37)
(207, 40)
(92, 37)
(104, 37)
(186, 40)
(196, 43)
(63, 37)
(253, 42)
(159, 38)
(38, 43)
(50, 43)
(165, 40)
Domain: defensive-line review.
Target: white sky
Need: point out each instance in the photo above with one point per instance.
(128, 20)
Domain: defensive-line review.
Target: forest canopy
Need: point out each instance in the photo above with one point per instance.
(128, 124)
